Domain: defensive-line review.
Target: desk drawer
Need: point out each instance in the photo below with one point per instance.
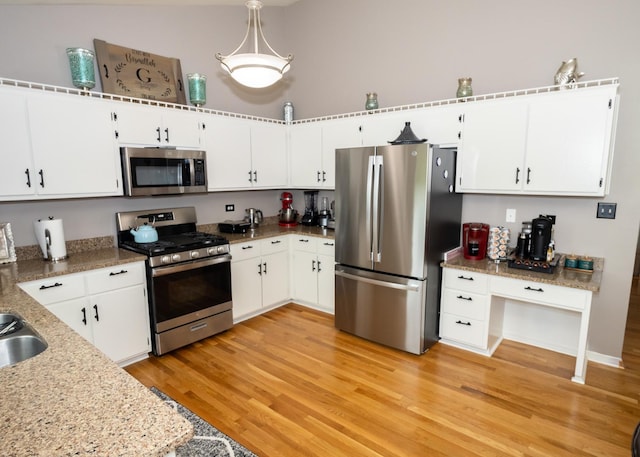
(468, 304)
(537, 292)
(469, 281)
(463, 330)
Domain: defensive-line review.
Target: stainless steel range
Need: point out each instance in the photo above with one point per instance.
(188, 275)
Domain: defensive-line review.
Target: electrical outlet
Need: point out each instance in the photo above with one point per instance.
(228, 208)
(511, 215)
(606, 211)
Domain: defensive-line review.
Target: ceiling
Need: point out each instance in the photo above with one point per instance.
(143, 2)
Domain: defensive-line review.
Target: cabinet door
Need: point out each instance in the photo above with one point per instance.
(269, 155)
(336, 134)
(228, 146)
(76, 314)
(305, 276)
(568, 142)
(491, 154)
(74, 149)
(120, 321)
(139, 125)
(326, 283)
(275, 278)
(181, 128)
(440, 125)
(16, 174)
(246, 287)
(379, 129)
(305, 147)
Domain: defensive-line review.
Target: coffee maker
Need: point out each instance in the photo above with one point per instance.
(310, 216)
(540, 237)
(474, 240)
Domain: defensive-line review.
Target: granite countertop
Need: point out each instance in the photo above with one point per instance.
(560, 277)
(268, 230)
(71, 399)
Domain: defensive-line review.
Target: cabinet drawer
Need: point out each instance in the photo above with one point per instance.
(326, 246)
(246, 250)
(116, 277)
(275, 244)
(305, 243)
(463, 330)
(463, 303)
(469, 281)
(537, 292)
(53, 290)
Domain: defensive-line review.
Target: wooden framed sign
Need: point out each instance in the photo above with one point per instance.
(139, 74)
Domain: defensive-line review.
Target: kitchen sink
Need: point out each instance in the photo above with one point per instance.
(18, 340)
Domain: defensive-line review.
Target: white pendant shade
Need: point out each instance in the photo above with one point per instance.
(254, 69)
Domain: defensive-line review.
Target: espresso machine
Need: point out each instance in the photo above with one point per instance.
(310, 216)
(540, 238)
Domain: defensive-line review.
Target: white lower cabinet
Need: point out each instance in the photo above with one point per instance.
(108, 307)
(259, 275)
(313, 271)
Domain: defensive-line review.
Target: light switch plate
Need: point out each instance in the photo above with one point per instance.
(606, 211)
(511, 215)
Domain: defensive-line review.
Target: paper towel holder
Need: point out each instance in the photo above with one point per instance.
(53, 248)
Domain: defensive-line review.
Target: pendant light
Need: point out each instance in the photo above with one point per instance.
(254, 69)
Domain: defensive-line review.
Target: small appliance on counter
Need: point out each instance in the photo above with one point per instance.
(254, 217)
(287, 216)
(535, 250)
(310, 216)
(234, 226)
(475, 236)
(50, 236)
(324, 215)
(332, 220)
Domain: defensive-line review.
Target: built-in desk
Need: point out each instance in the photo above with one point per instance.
(483, 302)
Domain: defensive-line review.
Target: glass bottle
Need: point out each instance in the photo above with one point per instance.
(82, 71)
(372, 101)
(197, 89)
(464, 88)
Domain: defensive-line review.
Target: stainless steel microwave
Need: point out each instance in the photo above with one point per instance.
(161, 171)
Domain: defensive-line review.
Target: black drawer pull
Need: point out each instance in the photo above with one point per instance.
(247, 247)
(468, 278)
(276, 242)
(328, 244)
(303, 241)
(463, 323)
(464, 298)
(58, 284)
(539, 289)
(116, 273)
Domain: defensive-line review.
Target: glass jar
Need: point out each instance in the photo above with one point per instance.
(464, 88)
(372, 101)
(82, 69)
(197, 89)
(288, 112)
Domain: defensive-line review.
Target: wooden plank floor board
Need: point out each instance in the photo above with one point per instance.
(287, 383)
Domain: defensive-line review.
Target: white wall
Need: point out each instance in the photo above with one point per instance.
(408, 51)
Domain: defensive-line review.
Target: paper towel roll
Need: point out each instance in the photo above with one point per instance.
(50, 236)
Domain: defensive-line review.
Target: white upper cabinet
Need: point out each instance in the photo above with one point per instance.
(144, 125)
(69, 150)
(16, 173)
(491, 155)
(554, 143)
(244, 154)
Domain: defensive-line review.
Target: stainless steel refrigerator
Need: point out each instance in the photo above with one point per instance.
(396, 215)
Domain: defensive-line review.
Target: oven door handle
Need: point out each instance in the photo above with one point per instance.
(170, 269)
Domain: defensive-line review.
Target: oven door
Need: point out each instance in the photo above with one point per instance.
(187, 292)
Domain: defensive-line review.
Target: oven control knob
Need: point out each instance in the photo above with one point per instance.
(195, 254)
(175, 257)
(221, 250)
(212, 251)
(165, 259)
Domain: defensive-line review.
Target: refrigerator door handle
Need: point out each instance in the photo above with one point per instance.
(376, 255)
(391, 285)
(368, 205)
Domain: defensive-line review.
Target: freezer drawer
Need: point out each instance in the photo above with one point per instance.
(385, 309)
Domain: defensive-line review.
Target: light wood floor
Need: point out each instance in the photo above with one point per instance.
(288, 384)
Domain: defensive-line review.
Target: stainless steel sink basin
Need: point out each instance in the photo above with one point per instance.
(18, 340)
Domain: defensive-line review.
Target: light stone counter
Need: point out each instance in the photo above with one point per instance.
(71, 399)
(267, 230)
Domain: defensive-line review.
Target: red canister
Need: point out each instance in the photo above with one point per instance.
(474, 240)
